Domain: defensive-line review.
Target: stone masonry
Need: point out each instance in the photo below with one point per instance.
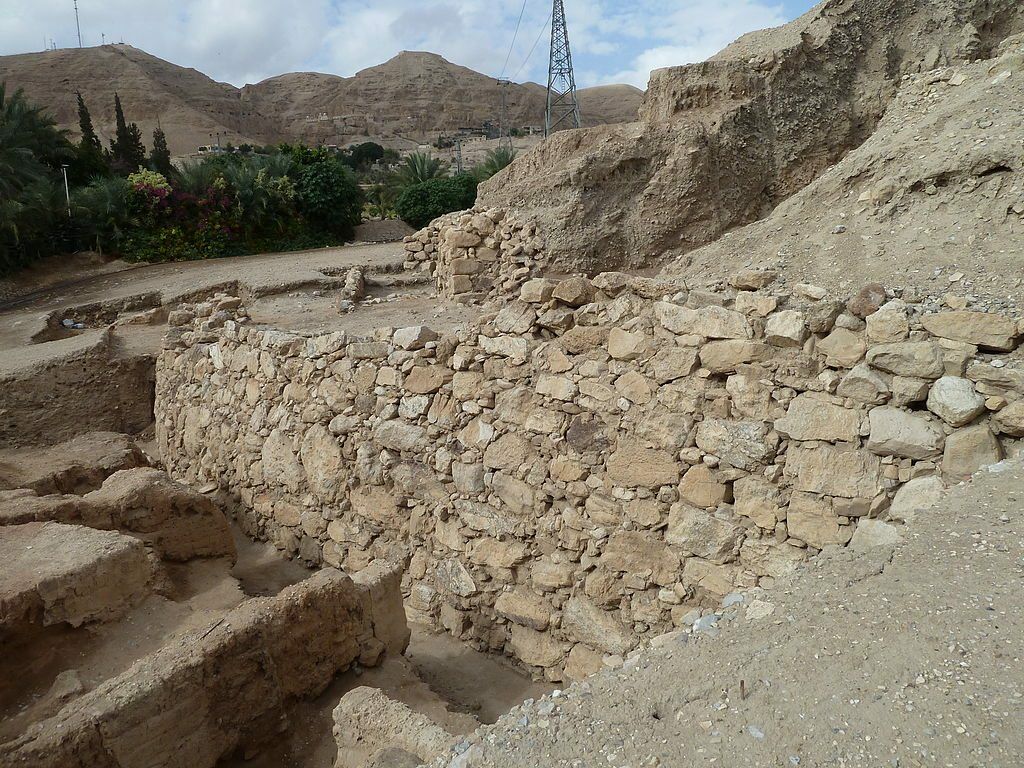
(476, 254)
(597, 458)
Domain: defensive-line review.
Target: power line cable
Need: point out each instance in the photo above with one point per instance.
(540, 34)
(514, 36)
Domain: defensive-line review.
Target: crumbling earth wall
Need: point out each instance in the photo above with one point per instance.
(722, 142)
(225, 685)
(595, 459)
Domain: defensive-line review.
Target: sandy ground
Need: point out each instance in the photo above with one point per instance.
(902, 659)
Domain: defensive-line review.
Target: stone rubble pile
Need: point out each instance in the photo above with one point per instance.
(596, 459)
(476, 254)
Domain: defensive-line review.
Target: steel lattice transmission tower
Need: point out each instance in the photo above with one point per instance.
(563, 111)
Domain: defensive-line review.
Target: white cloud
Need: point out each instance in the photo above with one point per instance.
(612, 40)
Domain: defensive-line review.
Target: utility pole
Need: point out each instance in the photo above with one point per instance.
(563, 111)
(503, 128)
(458, 153)
(67, 189)
(78, 25)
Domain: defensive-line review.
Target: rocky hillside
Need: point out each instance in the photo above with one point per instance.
(723, 142)
(414, 96)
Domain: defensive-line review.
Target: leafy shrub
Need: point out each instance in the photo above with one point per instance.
(329, 196)
(421, 203)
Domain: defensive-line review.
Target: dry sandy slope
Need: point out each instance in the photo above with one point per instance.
(903, 659)
(937, 189)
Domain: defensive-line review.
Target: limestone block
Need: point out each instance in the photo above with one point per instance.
(324, 465)
(625, 345)
(759, 500)
(671, 363)
(452, 577)
(574, 291)
(701, 488)
(916, 496)
(985, 330)
(633, 464)
(897, 433)
(515, 317)
(586, 623)
(954, 400)
(742, 444)
(754, 279)
(636, 552)
(889, 324)
(1010, 420)
(399, 435)
(710, 322)
(634, 387)
(922, 359)
(583, 662)
(537, 290)
(537, 649)
(468, 478)
(427, 379)
(700, 533)
(726, 356)
(865, 385)
(811, 417)
(786, 329)
(842, 348)
(834, 471)
(281, 467)
(967, 451)
(874, 533)
(496, 553)
(811, 519)
(557, 387)
(525, 608)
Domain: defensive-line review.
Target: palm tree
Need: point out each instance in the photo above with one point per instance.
(102, 210)
(31, 149)
(197, 177)
(419, 167)
(496, 160)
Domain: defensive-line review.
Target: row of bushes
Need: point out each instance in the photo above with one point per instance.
(228, 204)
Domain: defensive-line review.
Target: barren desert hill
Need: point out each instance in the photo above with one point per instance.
(414, 95)
(188, 104)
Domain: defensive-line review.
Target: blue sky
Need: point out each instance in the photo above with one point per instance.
(612, 40)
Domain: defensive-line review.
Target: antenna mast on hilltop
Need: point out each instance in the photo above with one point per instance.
(563, 111)
(78, 26)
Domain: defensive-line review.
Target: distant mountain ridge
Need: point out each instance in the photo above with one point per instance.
(407, 100)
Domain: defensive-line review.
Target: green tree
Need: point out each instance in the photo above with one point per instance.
(90, 159)
(160, 157)
(418, 168)
(496, 160)
(32, 211)
(126, 150)
(420, 204)
(329, 196)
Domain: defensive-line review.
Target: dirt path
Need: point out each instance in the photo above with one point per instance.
(262, 275)
(903, 660)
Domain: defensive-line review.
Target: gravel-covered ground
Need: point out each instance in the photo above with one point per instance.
(900, 658)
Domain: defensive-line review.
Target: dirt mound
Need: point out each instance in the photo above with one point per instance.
(937, 190)
(413, 96)
(721, 143)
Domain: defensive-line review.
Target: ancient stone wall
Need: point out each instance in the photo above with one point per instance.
(597, 458)
(477, 254)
